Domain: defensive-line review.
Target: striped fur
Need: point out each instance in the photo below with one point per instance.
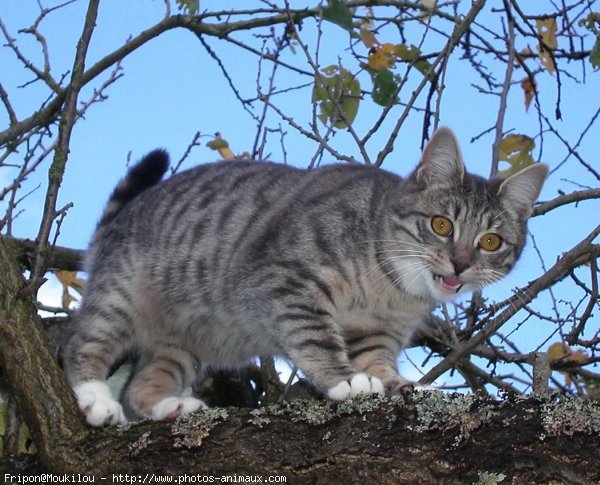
(332, 268)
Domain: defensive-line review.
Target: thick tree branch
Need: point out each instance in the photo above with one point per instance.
(432, 438)
(565, 199)
(37, 383)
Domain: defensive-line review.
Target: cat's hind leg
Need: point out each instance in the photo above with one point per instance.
(161, 384)
(100, 339)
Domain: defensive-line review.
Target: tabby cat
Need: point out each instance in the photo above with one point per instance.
(332, 268)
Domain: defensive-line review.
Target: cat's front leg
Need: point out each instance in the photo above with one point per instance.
(360, 383)
(315, 345)
(376, 354)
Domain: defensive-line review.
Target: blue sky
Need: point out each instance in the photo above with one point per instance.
(171, 88)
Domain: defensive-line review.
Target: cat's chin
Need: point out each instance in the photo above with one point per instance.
(446, 288)
(432, 286)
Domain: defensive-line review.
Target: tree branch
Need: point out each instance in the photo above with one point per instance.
(67, 121)
(37, 383)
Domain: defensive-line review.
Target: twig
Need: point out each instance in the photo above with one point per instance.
(188, 151)
(68, 117)
(505, 89)
(457, 34)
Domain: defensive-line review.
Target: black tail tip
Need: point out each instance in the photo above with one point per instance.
(150, 169)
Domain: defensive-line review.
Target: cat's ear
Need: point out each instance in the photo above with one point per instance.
(522, 189)
(441, 161)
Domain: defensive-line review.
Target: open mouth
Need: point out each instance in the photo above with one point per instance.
(449, 284)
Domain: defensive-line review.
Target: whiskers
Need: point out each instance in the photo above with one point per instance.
(400, 262)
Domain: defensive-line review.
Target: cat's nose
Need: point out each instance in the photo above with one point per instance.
(459, 266)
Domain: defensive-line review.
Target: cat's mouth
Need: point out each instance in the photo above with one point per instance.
(449, 284)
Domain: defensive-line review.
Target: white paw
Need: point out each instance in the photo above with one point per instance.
(171, 407)
(359, 384)
(96, 402)
(424, 387)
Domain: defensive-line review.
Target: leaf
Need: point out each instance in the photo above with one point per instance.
(561, 352)
(546, 29)
(382, 57)
(430, 5)
(558, 351)
(337, 93)
(516, 151)
(529, 89)
(523, 54)
(338, 13)
(69, 279)
(412, 54)
(590, 22)
(385, 86)
(221, 145)
(368, 38)
(191, 6)
(595, 54)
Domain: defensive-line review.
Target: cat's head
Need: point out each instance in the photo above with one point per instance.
(451, 232)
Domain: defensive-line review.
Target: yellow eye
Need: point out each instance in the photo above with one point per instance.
(490, 242)
(441, 225)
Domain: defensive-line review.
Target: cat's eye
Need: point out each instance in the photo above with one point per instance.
(490, 242)
(441, 225)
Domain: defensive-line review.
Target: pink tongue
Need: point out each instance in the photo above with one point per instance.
(451, 281)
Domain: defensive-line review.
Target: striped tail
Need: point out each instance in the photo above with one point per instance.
(143, 175)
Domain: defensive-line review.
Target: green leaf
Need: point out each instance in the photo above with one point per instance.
(337, 92)
(221, 145)
(516, 150)
(590, 22)
(385, 85)
(338, 13)
(190, 6)
(595, 54)
(412, 54)
(217, 144)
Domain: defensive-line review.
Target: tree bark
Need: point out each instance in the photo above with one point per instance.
(38, 385)
(432, 438)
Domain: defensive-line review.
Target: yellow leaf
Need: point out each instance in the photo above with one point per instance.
(382, 57)
(221, 146)
(558, 351)
(529, 89)
(578, 357)
(523, 54)
(526, 52)
(561, 352)
(546, 29)
(69, 279)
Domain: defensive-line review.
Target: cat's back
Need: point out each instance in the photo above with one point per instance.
(240, 211)
(238, 189)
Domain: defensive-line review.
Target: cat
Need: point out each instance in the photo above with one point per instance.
(333, 268)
